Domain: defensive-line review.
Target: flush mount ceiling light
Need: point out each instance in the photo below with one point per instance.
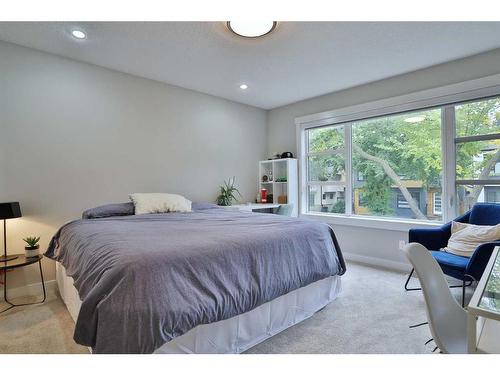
(78, 34)
(251, 29)
(243, 86)
(413, 120)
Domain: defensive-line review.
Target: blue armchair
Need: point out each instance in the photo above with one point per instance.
(461, 268)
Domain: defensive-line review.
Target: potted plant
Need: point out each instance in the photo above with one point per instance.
(31, 250)
(227, 193)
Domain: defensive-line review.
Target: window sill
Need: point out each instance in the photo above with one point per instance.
(372, 222)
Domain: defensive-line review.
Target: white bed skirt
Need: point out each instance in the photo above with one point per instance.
(237, 334)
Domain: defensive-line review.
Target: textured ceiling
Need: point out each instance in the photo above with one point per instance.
(298, 61)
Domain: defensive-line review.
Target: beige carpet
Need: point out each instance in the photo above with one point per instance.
(371, 315)
(45, 328)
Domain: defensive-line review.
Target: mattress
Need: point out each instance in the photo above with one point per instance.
(241, 332)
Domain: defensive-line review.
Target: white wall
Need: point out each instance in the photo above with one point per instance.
(74, 136)
(361, 243)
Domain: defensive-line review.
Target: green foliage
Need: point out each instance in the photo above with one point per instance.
(338, 207)
(31, 241)
(227, 193)
(377, 189)
(413, 150)
(326, 167)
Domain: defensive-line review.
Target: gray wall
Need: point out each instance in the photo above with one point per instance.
(379, 244)
(74, 135)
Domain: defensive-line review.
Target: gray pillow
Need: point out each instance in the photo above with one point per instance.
(108, 210)
(197, 206)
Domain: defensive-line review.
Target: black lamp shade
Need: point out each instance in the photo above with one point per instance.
(10, 210)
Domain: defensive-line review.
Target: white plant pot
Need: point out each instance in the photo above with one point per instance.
(31, 253)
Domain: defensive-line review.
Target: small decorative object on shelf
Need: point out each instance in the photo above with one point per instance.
(265, 178)
(282, 199)
(263, 195)
(227, 193)
(270, 175)
(286, 155)
(281, 179)
(32, 249)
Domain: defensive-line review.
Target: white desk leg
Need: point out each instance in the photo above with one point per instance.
(471, 333)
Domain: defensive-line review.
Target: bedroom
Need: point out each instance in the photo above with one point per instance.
(396, 118)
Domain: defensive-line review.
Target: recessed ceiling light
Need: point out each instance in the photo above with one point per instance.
(415, 119)
(243, 86)
(78, 34)
(251, 29)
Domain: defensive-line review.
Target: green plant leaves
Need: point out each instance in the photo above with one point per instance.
(31, 241)
(228, 193)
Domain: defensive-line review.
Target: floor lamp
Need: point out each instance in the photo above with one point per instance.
(9, 210)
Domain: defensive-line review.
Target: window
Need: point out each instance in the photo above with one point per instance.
(397, 157)
(492, 194)
(403, 203)
(326, 169)
(362, 202)
(436, 204)
(397, 165)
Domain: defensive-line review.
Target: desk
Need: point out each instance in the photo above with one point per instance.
(252, 206)
(483, 312)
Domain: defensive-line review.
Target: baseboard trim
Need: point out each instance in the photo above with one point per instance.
(378, 262)
(31, 289)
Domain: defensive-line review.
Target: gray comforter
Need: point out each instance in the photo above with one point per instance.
(146, 279)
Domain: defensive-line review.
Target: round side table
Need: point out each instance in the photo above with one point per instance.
(20, 261)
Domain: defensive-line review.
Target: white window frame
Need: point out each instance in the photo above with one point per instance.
(434, 211)
(445, 97)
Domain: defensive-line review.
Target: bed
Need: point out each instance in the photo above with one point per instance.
(207, 281)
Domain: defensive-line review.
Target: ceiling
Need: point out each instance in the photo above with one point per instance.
(299, 60)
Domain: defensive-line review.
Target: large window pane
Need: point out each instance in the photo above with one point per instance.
(478, 118)
(397, 165)
(326, 198)
(326, 163)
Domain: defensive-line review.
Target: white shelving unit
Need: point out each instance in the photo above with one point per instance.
(285, 171)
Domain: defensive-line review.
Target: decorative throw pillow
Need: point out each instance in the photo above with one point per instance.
(465, 238)
(109, 210)
(155, 203)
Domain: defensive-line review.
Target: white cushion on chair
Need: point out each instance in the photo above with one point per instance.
(465, 238)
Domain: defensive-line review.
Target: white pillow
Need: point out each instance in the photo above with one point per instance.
(155, 203)
(465, 238)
